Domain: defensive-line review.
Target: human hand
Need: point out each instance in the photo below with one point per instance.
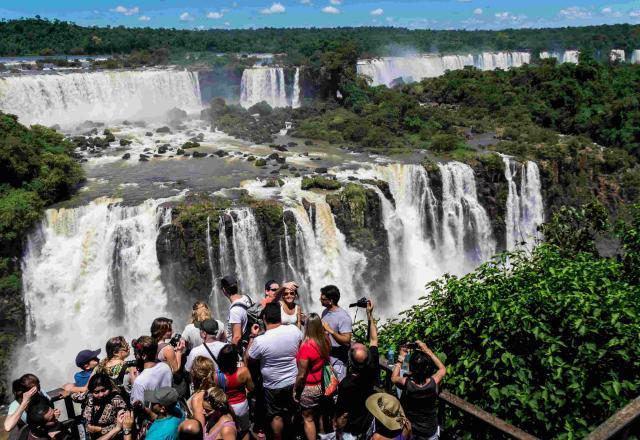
(26, 397)
(295, 395)
(127, 420)
(423, 346)
(290, 285)
(255, 330)
(120, 419)
(369, 307)
(133, 374)
(56, 412)
(182, 345)
(327, 327)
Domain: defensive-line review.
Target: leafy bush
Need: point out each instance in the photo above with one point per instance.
(445, 142)
(547, 342)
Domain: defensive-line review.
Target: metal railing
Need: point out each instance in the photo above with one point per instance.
(623, 425)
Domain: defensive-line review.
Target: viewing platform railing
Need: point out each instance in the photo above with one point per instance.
(623, 425)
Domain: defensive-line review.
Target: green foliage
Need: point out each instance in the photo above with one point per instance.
(35, 35)
(320, 182)
(19, 210)
(445, 142)
(574, 229)
(548, 343)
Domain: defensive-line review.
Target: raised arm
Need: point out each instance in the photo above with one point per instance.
(442, 370)
(373, 329)
(174, 356)
(12, 420)
(395, 375)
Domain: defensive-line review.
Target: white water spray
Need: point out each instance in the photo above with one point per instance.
(99, 96)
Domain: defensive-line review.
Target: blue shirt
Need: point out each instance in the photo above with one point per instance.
(164, 429)
(82, 377)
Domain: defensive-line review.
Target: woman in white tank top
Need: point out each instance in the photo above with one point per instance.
(291, 312)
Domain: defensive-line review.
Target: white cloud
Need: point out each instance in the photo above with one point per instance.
(478, 11)
(126, 11)
(276, 8)
(144, 18)
(606, 10)
(574, 13)
(508, 16)
(215, 15)
(389, 19)
(330, 10)
(378, 11)
(635, 14)
(185, 16)
(226, 23)
(335, 2)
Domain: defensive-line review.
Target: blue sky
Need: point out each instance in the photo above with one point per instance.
(434, 14)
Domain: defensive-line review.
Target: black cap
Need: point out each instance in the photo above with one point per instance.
(209, 326)
(228, 280)
(85, 356)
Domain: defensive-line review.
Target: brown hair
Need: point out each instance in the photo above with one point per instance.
(159, 327)
(313, 330)
(145, 346)
(200, 311)
(216, 399)
(202, 373)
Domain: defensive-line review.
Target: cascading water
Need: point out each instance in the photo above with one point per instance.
(249, 261)
(566, 56)
(617, 55)
(263, 84)
(100, 96)
(295, 98)
(214, 297)
(525, 209)
(89, 273)
(635, 57)
(383, 71)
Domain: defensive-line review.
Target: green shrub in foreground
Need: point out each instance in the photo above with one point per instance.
(550, 345)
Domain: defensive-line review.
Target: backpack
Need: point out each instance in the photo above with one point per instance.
(254, 316)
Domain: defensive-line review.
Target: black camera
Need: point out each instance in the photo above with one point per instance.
(362, 303)
(175, 340)
(411, 345)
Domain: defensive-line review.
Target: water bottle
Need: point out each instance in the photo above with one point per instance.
(391, 357)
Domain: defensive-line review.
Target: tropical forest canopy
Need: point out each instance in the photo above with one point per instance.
(38, 36)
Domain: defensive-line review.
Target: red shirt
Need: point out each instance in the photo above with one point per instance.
(310, 351)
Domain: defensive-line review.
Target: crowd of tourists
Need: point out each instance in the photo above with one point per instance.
(271, 371)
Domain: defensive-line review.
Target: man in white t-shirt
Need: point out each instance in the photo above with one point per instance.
(237, 322)
(276, 350)
(154, 374)
(210, 332)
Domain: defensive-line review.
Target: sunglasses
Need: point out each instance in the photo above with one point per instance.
(272, 290)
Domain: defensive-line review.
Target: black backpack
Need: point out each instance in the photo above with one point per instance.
(254, 316)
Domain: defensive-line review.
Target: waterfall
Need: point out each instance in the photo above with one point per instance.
(246, 249)
(295, 99)
(525, 209)
(635, 56)
(263, 84)
(466, 229)
(89, 273)
(103, 96)
(383, 71)
(617, 55)
(214, 296)
(566, 56)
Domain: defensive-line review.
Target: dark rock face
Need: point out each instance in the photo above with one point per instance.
(492, 189)
(358, 215)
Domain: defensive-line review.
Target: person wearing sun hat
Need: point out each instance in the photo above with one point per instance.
(389, 421)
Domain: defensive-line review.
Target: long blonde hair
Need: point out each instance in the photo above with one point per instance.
(313, 330)
(202, 373)
(200, 311)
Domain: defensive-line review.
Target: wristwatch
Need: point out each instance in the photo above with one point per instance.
(126, 431)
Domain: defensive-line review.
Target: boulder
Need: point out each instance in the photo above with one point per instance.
(126, 156)
(148, 133)
(199, 154)
(164, 129)
(176, 116)
(124, 142)
(143, 158)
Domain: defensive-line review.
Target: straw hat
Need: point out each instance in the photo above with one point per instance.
(387, 410)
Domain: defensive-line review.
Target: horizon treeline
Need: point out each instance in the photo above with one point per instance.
(39, 36)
